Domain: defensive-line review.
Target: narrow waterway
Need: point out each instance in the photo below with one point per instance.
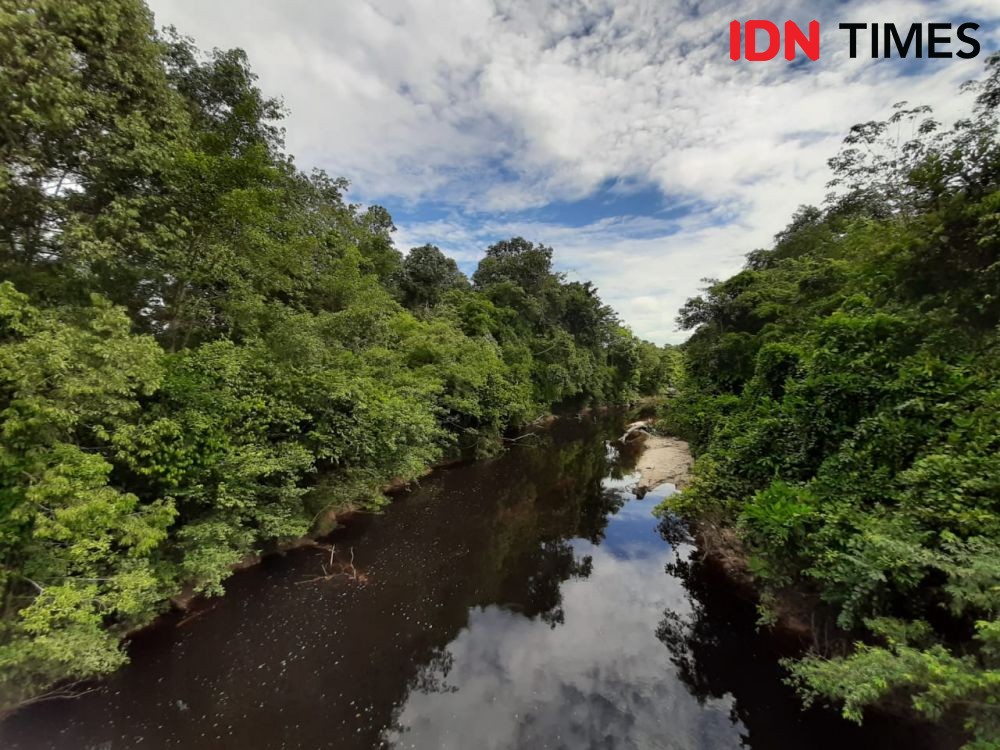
(528, 601)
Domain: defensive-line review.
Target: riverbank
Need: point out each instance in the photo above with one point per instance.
(667, 459)
(793, 616)
(332, 518)
(663, 460)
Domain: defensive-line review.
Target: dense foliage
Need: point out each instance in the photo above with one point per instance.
(192, 330)
(842, 393)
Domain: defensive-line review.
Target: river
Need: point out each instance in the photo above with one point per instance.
(528, 601)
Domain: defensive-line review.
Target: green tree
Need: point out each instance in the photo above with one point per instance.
(524, 263)
(427, 275)
(76, 548)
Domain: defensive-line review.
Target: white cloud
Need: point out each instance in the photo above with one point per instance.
(494, 107)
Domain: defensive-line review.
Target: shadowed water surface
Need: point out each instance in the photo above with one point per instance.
(523, 602)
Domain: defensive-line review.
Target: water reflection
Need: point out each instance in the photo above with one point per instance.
(600, 679)
(718, 653)
(514, 603)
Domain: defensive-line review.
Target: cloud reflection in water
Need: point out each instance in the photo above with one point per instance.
(600, 677)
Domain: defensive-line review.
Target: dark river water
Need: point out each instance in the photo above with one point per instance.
(524, 602)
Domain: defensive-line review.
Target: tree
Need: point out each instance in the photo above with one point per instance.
(75, 548)
(516, 260)
(426, 276)
(89, 123)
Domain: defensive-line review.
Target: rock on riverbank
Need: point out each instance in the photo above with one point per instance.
(663, 459)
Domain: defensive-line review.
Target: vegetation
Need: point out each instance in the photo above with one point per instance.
(842, 393)
(192, 330)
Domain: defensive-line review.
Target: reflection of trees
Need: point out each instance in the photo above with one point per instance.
(718, 651)
(499, 533)
(556, 563)
(555, 494)
(628, 455)
(432, 677)
(716, 647)
(559, 494)
(595, 510)
(674, 531)
(693, 640)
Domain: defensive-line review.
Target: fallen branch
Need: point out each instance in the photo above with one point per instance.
(66, 692)
(520, 437)
(633, 429)
(342, 570)
(193, 616)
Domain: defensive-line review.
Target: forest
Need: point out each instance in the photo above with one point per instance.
(842, 396)
(204, 349)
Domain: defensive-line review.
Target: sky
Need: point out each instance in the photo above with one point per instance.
(617, 131)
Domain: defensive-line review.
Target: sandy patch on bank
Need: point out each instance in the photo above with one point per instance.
(663, 459)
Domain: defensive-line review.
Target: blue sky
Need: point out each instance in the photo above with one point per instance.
(617, 131)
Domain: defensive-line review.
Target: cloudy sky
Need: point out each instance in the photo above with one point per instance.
(617, 131)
